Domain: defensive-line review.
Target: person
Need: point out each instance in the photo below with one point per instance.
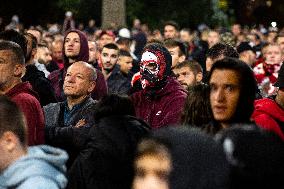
(106, 36)
(75, 48)
(69, 22)
(57, 56)
(246, 53)
(197, 112)
(161, 99)
(255, 155)
(93, 54)
(116, 82)
(213, 38)
(232, 93)
(37, 33)
(125, 61)
(67, 123)
(42, 59)
(188, 73)
(171, 30)
(177, 50)
(269, 112)
(106, 161)
(180, 158)
(37, 78)
(22, 166)
(12, 69)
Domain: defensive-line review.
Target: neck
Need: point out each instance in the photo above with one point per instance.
(106, 73)
(71, 60)
(72, 101)
(4, 89)
(30, 61)
(224, 125)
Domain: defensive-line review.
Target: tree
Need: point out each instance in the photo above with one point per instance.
(113, 13)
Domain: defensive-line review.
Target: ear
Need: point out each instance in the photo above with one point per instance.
(9, 140)
(199, 77)
(92, 86)
(181, 58)
(19, 70)
(34, 51)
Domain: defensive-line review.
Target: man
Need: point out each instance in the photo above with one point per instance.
(188, 73)
(57, 56)
(37, 33)
(171, 30)
(125, 61)
(75, 48)
(178, 51)
(247, 53)
(213, 38)
(36, 77)
(161, 100)
(116, 82)
(107, 36)
(236, 29)
(12, 68)
(269, 112)
(93, 53)
(233, 89)
(42, 59)
(67, 123)
(22, 167)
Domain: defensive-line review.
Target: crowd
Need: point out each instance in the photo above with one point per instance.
(85, 107)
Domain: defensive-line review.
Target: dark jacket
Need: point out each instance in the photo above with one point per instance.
(40, 84)
(164, 108)
(106, 163)
(27, 100)
(269, 115)
(117, 83)
(67, 136)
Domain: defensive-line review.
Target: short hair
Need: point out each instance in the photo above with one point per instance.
(194, 66)
(18, 54)
(12, 35)
(170, 43)
(248, 87)
(124, 53)
(172, 23)
(33, 38)
(220, 49)
(12, 119)
(42, 45)
(111, 46)
(188, 30)
(93, 76)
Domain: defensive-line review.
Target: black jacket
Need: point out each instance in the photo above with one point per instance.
(106, 163)
(117, 83)
(40, 84)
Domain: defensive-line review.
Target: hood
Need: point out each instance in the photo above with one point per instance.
(269, 107)
(45, 161)
(84, 48)
(24, 87)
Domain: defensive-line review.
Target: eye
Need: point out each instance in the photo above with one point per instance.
(213, 87)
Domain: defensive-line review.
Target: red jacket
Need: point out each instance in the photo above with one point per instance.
(27, 100)
(165, 108)
(269, 115)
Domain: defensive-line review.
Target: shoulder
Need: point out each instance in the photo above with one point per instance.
(39, 182)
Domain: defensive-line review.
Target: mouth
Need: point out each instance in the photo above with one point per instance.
(219, 109)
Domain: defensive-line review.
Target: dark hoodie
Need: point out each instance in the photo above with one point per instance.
(106, 163)
(40, 84)
(27, 100)
(57, 77)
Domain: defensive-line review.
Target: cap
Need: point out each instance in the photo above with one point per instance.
(125, 33)
(244, 46)
(280, 80)
(108, 32)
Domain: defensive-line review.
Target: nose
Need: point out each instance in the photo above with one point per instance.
(219, 95)
(70, 79)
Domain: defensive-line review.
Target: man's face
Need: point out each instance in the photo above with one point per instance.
(236, 29)
(92, 51)
(105, 39)
(186, 76)
(6, 69)
(125, 63)
(224, 94)
(185, 36)
(152, 171)
(78, 81)
(273, 54)
(280, 42)
(57, 51)
(213, 38)
(43, 55)
(72, 45)
(170, 32)
(176, 58)
(109, 58)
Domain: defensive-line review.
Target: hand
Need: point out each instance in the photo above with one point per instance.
(80, 123)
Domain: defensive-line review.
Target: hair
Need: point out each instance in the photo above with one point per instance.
(188, 30)
(124, 53)
(220, 49)
(197, 112)
(248, 87)
(193, 65)
(12, 35)
(12, 119)
(114, 104)
(93, 76)
(33, 38)
(18, 55)
(171, 43)
(172, 23)
(111, 46)
(42, 45)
